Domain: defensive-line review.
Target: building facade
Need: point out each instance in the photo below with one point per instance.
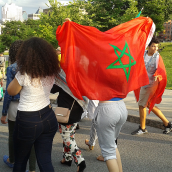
(168, 30)
(35, 16)
(47, 11)
(11, 12)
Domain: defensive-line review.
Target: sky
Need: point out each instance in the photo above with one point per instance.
(30, 6)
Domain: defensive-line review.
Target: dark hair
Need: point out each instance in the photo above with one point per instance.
(37, 58)
(13, 50)
(154, 40)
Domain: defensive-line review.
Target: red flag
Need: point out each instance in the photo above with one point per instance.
(103, 65)
(162, 82)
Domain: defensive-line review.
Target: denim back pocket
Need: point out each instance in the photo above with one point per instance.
(26, 133)
(52, 122)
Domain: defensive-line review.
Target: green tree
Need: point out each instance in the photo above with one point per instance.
(15, 30)
(46, 32)
(31, 26)
(56, 16)
(157, 10)
(10, 32)
(105, 14)
(2, 46)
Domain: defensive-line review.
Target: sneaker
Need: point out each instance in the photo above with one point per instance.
(168, 128)
(5, 158)
(139, 131)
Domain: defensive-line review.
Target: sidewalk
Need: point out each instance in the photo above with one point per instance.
(146, 153)
(151, 120)
(133, 111)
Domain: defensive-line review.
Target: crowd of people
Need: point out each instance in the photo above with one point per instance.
(34, 73)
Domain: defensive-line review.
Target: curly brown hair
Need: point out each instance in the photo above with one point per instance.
(13, 50)
(37, 58)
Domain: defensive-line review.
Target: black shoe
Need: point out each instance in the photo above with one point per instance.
(139, 131)
(168, 128)
(77, 127)
(66, 162)
(82, 166)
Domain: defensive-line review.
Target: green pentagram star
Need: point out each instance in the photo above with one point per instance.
(123, 52)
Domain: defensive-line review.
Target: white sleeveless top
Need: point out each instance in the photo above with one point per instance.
(35, 93)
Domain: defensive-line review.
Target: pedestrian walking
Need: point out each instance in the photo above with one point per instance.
(148, 92)
(36, 122)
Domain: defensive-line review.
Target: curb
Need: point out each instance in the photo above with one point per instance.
(149, 122)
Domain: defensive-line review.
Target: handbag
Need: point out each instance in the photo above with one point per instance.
(62, 114)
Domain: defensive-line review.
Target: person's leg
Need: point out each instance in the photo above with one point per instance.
(23, 141)
(43, 143)
(69, 140)
(142, 113)
(115, 165)
(67, 156)
(119, 160)
(109, 120)
(93, 134)
(112, 165)
(11, 125)
(167, 124)
(142, 127)
(36, 128)
(145, 94)
(93, 137)
(9, 159)
(158, 113)
(32, 160)
(43, 149)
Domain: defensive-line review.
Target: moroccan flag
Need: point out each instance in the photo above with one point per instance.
(103, 65)
(162, 82)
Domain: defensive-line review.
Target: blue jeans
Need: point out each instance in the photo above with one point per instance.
(36, 128)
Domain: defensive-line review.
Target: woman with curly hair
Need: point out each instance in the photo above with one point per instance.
(36, 122)
(10, 105)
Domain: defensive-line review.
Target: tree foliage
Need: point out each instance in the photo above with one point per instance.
(158, 10)
(102, 14)
(17, 30)
(105, 14)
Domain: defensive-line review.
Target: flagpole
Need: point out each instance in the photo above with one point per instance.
(138, 15)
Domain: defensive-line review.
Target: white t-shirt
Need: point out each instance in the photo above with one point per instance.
(35, 93)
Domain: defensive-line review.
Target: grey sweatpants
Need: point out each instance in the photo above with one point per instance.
(109, 119)
(93, 134)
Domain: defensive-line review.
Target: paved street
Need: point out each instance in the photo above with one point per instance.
(151, 152)
(147, 153)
